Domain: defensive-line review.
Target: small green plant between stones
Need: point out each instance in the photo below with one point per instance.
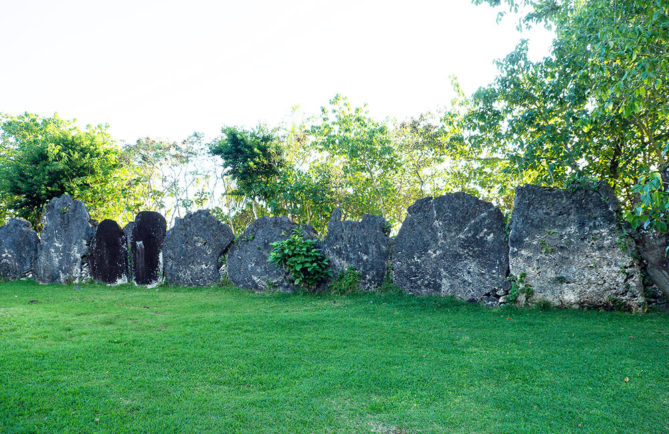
(346, 282)
(302, 259)
(519, 286)
(545, 247)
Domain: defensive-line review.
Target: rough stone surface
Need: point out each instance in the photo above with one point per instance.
(127, 230)
(66, 236)
(18, 249)
(148, 235)
(653, 249)
(568, 246)
(452, 245)
(108, 253)
(364, 245)
(247, 260)
(193, 247)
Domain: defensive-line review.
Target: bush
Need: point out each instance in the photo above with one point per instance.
(302, 259)
(346, 282)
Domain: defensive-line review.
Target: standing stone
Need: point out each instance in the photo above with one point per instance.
(452, 245)
(127, 230)
(148, 234)
(568, 246)
(363, 245)
(193, 248)
(108, 256)
(18, 249)
(67, 232)
(247, 259)
(653, 249)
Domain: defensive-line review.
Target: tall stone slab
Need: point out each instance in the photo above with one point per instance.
(108, 253)
(364, 245)
(567, 244)
(247, 260)
(127, 230)
(148, 235)
(653, 249)
(18, 249)
(66, 235)
(452, 245)
(193, 248)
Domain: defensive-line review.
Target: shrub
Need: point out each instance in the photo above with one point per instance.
(346, 282)
(302, 259)
(519, 286)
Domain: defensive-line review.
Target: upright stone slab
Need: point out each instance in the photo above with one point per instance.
(653, 249)
(66, 235)
(193, 248)
(127, 230)
(363, 245)
(568, 246)
(18, 249)
(452, 245)
(108, 254)
(148, 235)
(247, 259)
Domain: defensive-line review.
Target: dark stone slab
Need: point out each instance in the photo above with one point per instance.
(452, 245)
(67, 233)
(364, 245)
(247, 260)
(568, 245)
(18, 249)
(193, 248)
(148, 235)
(127, 230)
(108, 253)
(653, 250)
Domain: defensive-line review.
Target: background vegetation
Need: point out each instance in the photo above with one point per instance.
(597, 108)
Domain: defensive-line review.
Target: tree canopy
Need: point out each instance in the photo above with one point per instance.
(42, 158)
(596, 108)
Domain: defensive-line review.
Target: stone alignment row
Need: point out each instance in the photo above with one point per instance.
(566, 245)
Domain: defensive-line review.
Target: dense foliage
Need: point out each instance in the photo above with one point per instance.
(41, 158)
(302, 259)
(596, 108)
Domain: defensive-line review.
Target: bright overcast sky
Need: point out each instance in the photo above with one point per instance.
(169, 68)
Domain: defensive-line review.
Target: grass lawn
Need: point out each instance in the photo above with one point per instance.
(222, 359)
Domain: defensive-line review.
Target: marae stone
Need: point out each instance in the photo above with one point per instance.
(67, 233)
(18, 249)
(247, 260)
(653, 247)
(452, 245)
(567, 244)
(193, 248)
(363, 245)
(148, 235)
(127, 230)
(108, 253)
(653, 250)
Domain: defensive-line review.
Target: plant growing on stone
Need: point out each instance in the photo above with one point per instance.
(301, 258)
(346, 282)
(519, 286)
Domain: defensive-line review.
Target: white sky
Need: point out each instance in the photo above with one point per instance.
(168, 68)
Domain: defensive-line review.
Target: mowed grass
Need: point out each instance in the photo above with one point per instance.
(222, 359)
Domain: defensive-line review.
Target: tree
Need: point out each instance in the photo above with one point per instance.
(596, 108)
(42, 158)
(360, 150)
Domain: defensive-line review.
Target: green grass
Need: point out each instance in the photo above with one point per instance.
(222, 359)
